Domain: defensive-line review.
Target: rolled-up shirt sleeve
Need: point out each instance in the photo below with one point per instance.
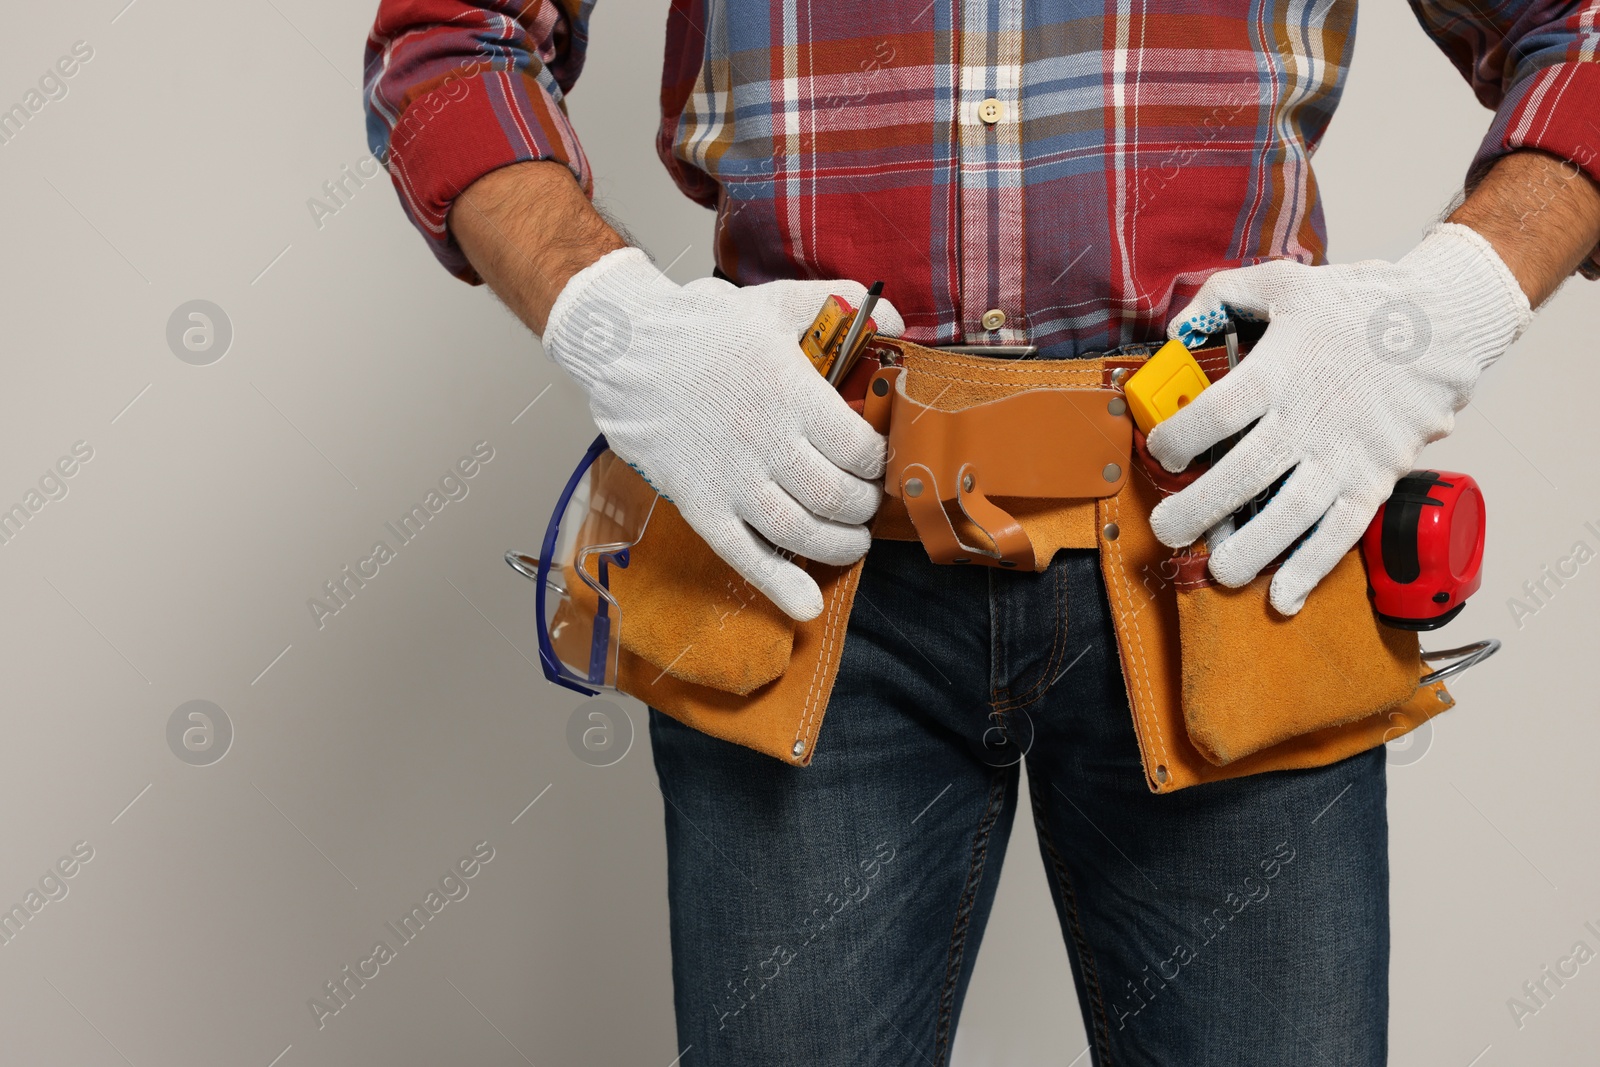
(455, 89)
(1534, 63)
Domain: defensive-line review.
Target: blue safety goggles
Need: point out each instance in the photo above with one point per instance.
(601, 514)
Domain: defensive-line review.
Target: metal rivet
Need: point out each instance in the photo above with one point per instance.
(1118, 406)
(1111, 473)
(1008, 563)
(1444, 698)
(799, 749)
(880, 387)
(967, 483)
(1161, 774)
(913, 487)
(1118, 374)
(1112, 531)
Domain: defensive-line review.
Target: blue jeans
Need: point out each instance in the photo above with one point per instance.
(831, 914)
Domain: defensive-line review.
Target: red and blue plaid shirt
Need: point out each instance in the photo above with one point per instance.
(1049, 172)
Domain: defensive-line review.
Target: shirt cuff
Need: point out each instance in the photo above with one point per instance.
(450, 137)
(1554, 110)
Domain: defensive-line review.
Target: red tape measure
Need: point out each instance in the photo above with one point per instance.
(1424, 550)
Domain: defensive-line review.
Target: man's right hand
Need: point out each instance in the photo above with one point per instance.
(703, 388)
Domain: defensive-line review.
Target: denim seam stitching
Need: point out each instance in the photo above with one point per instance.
(1069, 900)
(995, 655)
(963, 919)
(1057, 653)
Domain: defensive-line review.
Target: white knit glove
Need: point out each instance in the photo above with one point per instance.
(1363, 364)
(704, 390)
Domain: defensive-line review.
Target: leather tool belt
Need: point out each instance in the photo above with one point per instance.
(1001, 463)
(1043, 443)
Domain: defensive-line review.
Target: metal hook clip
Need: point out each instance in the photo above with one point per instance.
(1463, 657)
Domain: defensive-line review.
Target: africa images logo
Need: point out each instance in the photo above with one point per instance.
(338, 992)
(453, 486)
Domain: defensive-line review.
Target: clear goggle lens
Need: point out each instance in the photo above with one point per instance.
(602, 514)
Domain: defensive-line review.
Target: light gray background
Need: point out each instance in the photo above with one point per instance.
(373, 753)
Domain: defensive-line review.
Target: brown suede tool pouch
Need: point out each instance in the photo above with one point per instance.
(1253, 677)
(1222, 686)
(684, 612)
(701, 644)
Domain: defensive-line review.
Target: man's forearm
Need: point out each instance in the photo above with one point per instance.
(527, 229)
(1541, 213)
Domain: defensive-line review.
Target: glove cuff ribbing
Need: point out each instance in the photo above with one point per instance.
(1463, 258)
(608, 279)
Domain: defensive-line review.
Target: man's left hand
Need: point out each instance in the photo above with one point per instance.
(1361, 366)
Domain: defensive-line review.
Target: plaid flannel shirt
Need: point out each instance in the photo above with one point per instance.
(1061, 174)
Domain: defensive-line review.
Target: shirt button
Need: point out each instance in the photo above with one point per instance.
(991, 111)
(993, 319)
